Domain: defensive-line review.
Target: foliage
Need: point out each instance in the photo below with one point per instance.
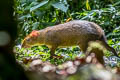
(38, 14)
(42, 52)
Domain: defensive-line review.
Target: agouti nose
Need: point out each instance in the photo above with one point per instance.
(23, 45)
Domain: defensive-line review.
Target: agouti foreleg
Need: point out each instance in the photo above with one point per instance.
(52, 51)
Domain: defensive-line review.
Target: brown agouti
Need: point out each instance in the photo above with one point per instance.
(77, 32)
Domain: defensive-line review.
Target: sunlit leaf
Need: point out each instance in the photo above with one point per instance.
(60, 6)
(25, 16)
(87, 5)
(39, 5)
(35, 25)
(117, 3)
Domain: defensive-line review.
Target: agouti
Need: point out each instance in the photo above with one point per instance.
(77, 32)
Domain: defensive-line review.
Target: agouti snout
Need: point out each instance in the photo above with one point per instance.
(72, 33)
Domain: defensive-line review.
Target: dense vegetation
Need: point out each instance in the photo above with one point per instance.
(39, 14)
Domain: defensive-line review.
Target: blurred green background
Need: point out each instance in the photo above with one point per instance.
(39, 14)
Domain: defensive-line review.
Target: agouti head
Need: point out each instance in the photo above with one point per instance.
(30, 40)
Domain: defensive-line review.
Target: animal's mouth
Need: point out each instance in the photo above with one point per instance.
(25, 46)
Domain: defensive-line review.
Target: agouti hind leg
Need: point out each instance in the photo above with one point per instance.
(83, 47)
(98, 53)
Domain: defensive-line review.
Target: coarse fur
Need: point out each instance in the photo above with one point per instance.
(77, 32)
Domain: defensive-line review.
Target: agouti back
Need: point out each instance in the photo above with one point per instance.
(77, 32)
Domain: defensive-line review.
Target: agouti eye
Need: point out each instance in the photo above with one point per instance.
(28, 39)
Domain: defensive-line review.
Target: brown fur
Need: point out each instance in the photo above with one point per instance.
(72, 33)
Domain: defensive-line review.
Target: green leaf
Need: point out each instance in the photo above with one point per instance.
(35, 25)
(23, 17)
(61, 6)
(39, 5)
(117, 3)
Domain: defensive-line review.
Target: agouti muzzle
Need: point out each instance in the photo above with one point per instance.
(72, 33)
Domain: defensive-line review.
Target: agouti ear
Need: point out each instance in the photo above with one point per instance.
(34, 33)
